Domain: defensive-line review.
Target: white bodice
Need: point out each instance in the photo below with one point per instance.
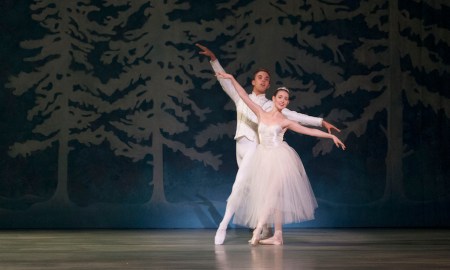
(270, 135)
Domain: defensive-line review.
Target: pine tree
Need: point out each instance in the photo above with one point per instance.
(61, 83)
(155, 84)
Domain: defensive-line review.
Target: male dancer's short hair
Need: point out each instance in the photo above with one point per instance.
(259, 70)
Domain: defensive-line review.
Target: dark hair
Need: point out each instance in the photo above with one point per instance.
(259, 70)
(282, 88)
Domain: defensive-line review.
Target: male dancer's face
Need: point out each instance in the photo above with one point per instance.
(261, 82)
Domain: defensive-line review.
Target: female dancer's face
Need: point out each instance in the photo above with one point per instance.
(281, 99)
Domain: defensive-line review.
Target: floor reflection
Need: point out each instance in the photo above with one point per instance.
(307, 249)
(258, 257)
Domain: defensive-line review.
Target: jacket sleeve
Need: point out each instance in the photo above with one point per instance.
(227, 85)
(303, 119)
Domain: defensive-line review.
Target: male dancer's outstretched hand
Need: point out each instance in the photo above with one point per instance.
(329, 126)
(206, 51)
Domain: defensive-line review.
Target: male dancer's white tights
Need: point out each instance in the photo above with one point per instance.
(244, 152)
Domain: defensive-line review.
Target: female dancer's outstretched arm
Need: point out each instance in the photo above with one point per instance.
(314, 132)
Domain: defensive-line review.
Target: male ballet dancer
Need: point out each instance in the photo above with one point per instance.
(246, 134)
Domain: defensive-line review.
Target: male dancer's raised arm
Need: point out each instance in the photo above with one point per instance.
(227, 86)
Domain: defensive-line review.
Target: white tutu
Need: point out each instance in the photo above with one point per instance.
(274, 181)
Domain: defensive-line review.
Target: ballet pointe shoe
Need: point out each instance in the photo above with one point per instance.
(220, 236)
(256, 236)
(276, 239)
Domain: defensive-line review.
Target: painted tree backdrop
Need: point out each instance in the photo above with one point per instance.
(111, 118)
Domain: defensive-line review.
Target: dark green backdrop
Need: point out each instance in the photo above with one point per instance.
(111, 119)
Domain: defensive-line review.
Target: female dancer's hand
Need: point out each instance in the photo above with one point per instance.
(338, 143)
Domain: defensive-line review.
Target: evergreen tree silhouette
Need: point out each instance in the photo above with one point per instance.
(155, 84)
(61, 83)
(402, 39)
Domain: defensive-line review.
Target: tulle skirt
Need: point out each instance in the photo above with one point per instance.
(272, 182)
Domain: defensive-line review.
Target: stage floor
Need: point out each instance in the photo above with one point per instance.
(194, 249)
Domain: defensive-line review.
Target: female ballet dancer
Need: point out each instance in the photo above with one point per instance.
(278, 190)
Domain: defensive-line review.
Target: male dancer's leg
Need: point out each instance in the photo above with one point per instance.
(244, 151)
